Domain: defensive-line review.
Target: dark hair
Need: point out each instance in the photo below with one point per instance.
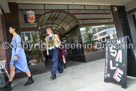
(14, 27)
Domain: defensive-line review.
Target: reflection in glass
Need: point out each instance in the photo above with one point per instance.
(94, 37)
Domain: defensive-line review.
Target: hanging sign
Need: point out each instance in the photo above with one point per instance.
(30, 16)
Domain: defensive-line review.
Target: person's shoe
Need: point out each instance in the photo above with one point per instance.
(29, 81)
(53, 77)
(65, 66)
(61, 72)
(7, 87)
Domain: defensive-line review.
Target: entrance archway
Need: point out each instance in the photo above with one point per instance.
(67, 26)
(61, 21)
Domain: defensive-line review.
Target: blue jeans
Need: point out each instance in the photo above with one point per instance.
(57, 65)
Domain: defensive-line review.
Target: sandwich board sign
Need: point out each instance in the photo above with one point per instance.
(120, 61)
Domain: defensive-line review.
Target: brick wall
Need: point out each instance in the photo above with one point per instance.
(4, 53)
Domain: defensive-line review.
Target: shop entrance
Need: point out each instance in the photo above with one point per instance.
(78, 24)
(67, 26)
(62, 23)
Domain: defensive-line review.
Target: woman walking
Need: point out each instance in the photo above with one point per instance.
(52, 44)
(18, 60)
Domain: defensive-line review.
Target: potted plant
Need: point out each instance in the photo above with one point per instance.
(89, 38)
(36, 50)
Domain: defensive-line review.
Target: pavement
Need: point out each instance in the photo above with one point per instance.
(79, 77)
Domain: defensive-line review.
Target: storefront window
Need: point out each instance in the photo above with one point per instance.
(31, 45)
(94, 37)
(28, 36)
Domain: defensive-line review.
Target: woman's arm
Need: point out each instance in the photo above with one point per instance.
(57, 38)
(18, 47)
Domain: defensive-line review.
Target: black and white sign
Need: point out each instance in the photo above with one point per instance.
(118, 64)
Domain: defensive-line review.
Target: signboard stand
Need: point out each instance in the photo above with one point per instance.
(120, 61)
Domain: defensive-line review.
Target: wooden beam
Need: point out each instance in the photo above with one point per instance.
(67, 9)
(90, 13)
(95, 19)
(95, 24)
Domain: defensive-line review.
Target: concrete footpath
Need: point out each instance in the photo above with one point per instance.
(81, 77)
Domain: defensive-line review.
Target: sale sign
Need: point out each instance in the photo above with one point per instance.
(116, 61)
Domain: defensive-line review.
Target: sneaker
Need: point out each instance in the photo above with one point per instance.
(53, 77)
(65, 66)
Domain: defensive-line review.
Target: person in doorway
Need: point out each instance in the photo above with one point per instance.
(62, 53)
(18, 60)
(47, 57)
(52, 44)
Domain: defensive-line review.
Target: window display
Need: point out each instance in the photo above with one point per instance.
(94, 37)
